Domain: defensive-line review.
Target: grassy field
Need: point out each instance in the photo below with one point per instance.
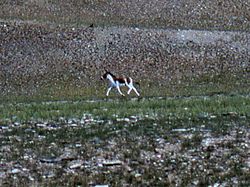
(205, 85)
(154, 141)
(162, 108)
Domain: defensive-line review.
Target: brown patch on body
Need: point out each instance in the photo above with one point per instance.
(122, 80)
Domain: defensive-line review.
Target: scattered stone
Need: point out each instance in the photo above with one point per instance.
(138, 176)
(50, 160)
(133, 155)
(15, 171)
(49, 174)
(112, 163)
(2, 175)
(75, 164)
(68, 155)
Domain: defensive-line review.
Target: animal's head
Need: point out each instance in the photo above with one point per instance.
(104, 76)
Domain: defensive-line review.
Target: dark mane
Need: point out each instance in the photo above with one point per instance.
(111, 74)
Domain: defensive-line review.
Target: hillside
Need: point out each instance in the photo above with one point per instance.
(47, 45)
(189, 14)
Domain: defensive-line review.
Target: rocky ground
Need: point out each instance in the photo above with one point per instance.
(36, 55)
(132, 151)
(47, 44)
(191, 14)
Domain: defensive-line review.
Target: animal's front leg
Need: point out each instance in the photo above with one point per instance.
(130, 89)
(136, 91)
(118, 88)
(107, 94)
(133, 88)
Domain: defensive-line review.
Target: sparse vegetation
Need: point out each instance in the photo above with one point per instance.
(162, 108)
(184, 141)
(189, 128)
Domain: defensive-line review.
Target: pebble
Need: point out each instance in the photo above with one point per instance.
(75, 164)
(112, 163)
(15, 171)
(50, 160)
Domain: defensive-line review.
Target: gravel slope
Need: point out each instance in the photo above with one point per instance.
(33, 55)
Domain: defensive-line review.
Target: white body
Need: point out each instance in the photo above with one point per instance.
(117, 82)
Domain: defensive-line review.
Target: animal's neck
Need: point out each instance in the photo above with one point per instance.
(111, 78)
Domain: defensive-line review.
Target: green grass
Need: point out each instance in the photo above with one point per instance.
(154, 108)
(204, 85)
(202, 97)
(158, 118)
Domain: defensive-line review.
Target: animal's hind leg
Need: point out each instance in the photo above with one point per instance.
(130, 89)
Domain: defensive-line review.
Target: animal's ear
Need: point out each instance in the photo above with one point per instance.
(105, 70)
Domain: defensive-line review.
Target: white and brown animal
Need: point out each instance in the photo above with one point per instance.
(117, 82)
